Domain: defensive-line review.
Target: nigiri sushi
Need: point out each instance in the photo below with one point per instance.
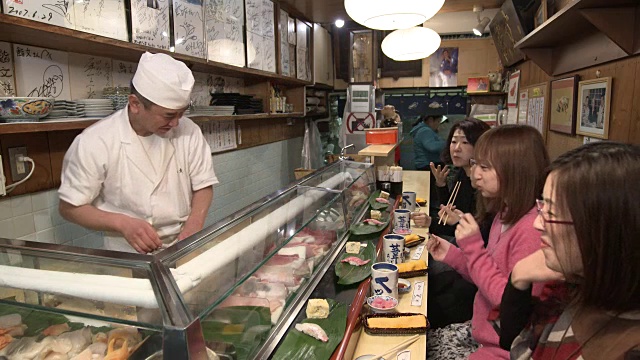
(373, 222)
(313, 330)
(352, 260)
(382, 200)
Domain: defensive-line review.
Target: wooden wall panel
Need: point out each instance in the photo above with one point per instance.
(59, 142)
(37, 149)
(624, 120)
(260, 132)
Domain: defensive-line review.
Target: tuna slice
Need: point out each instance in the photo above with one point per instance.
(352, 260)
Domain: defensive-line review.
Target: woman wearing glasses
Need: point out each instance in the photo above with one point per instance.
(589, 220)
(509, 185)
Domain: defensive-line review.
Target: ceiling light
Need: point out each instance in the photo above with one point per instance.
(482, 25)
(339, 23)
(386, 15)
(411, 44)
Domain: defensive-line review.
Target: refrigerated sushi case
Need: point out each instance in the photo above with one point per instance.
(232, 289)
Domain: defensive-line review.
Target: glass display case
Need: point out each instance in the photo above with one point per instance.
(230, 291)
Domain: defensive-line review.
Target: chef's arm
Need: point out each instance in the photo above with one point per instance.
(139, 233)
(200, 202)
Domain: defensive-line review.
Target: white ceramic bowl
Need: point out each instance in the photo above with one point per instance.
(406, 288)
(383, 297)
(367, 357)
(25, 107)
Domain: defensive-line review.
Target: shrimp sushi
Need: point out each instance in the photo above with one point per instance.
(352, 260)
(382, 200)
(372, 222)
(313, 330)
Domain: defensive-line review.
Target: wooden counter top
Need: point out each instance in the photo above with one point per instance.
(378, 150)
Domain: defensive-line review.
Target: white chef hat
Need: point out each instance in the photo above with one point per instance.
(163, 80)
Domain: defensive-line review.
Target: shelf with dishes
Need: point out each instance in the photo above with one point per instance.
(21, 31)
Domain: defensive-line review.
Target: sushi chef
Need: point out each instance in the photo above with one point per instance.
(143, 175)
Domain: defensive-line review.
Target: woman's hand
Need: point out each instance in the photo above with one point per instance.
(438, 247)
(467, 226)
(421, 219)
(533, 269)
(450, 213)
(440, 174)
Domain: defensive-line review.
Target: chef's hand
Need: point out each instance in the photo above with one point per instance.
(140, 234)
(533, 269)
(440, 173)
(467, 226)
(421, 219)
(450, 213)
(437, 247)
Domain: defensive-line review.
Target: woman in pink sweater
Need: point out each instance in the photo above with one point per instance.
(508, 171)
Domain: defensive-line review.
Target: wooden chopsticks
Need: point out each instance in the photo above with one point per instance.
(452, 200)
(397, 347)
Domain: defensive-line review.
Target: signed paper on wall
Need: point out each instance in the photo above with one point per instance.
(41, 72)
(7, 77)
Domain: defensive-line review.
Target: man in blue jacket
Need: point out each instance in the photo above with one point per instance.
(427, 145)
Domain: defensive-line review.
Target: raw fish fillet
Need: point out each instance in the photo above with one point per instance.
(278, 275)
(11, 320)
(313, 330)
(283, 260)
(352, 260)
(55, 330)
(373, 222)
(382, 200)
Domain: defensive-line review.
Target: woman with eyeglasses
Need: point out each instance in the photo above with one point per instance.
(589, 224)
(509, 173)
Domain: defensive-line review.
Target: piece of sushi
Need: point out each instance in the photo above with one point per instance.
(376, 214)
(382, 200)
(356, 261)
(313, 330)
(372, 222)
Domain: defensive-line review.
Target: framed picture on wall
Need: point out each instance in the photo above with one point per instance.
(478, 85)
(594, 106)
(541, 14)
(564, 105)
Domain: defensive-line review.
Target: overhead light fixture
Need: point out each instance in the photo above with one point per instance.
(479, 29)
(411, 44)
(339, 23)
(386, 15)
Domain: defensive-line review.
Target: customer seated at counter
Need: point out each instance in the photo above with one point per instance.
(589, 220)
(427, 145)
(450, 295)
(509, 187)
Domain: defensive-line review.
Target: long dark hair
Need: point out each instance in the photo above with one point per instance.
(472, 129)
(518, 155)
(599, 185)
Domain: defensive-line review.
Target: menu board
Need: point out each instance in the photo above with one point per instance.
(303, 41)
(59, 13)
(41, 72)
(150, 23)
(7, 78)
(89, 75)
(224, 20)
(285, 65)
(105, 18)
(122, 72)
(220, 135)
(188, 27)
(261, 42)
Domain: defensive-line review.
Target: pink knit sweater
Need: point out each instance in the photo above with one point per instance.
(488, 268)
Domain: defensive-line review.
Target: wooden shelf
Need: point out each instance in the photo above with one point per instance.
(22, 31)
(583, 34)
(60, 125)
(491, 93)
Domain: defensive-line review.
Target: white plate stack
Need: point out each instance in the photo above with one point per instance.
(97, 107)
(212, 110)
(66, 109)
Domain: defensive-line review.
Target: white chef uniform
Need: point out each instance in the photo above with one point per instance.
(108, 166)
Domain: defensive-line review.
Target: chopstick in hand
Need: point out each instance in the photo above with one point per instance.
(397, 348)
(452, 199)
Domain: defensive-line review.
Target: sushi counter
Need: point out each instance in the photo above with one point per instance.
(238, 289)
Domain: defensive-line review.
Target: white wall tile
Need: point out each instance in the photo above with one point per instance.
(46, 236)
(42, 220)
(21, 205)
(7, 230)
(40, 201)
(30, 237)
(24, 225)
(5, 209)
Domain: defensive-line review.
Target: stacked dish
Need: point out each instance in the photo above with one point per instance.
(213, 110)
(97, 107)
(66, 109)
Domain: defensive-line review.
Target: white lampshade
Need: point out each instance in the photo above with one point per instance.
(411, 44)
(391, 15)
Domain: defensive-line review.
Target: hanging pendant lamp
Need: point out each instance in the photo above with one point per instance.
(411, 44)
(391, 15)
